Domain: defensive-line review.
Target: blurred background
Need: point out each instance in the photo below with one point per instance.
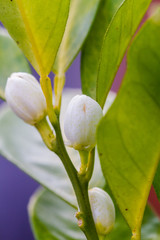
(16, 187)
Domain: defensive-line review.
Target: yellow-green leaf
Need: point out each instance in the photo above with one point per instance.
(156, 182)
(129, 135)
(37, 27)
(116, 41)
(80, 19)
(21, 144)
(52, 219)
(91, 50)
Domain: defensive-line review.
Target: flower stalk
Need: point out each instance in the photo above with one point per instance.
(47, 91)
(80, 186)
(84, 161)
(59, 82)
(47, 134)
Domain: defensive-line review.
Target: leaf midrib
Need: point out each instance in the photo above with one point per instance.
(30, 35)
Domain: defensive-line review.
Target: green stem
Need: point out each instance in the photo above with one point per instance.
(84, 161)
(90, 165)
(80, 185)
(59, 82)
(47, 90)
(46, 133)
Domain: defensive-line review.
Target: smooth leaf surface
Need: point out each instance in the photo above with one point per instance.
(52, 218)
(11, 60)
(92, 47)
(80, 19)
(117, 38)
(37, 27)
(156, 182)
(150, 227)
(129, 135)
(21, 144)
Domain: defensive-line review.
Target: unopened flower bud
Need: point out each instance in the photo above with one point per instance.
(103, 210)
(25, 97)
(82, 117)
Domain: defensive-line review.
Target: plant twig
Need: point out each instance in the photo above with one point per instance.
(80, 185)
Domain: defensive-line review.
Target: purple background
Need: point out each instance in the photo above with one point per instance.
(16, 187)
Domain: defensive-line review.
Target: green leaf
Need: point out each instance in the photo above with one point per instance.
(37, 27)
(129, 135)
(117, 38)
(80, 19)
(21, 144)
(150, 227)
(52, 218)
(11, 59)
(92, 47)
(156, 182)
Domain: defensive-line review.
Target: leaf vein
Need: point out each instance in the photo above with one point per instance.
(30, 34)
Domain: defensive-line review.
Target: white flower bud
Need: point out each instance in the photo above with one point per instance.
(25, 97)
(103, 210)
(82, 117)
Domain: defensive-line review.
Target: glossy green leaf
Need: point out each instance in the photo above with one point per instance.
(37, 27)
(80, 19)
(92, 47)
(117, 38)
(156, 182)
(52, 218)
(129, 135)
(11, 60)
(21, 144)
(150, 227)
